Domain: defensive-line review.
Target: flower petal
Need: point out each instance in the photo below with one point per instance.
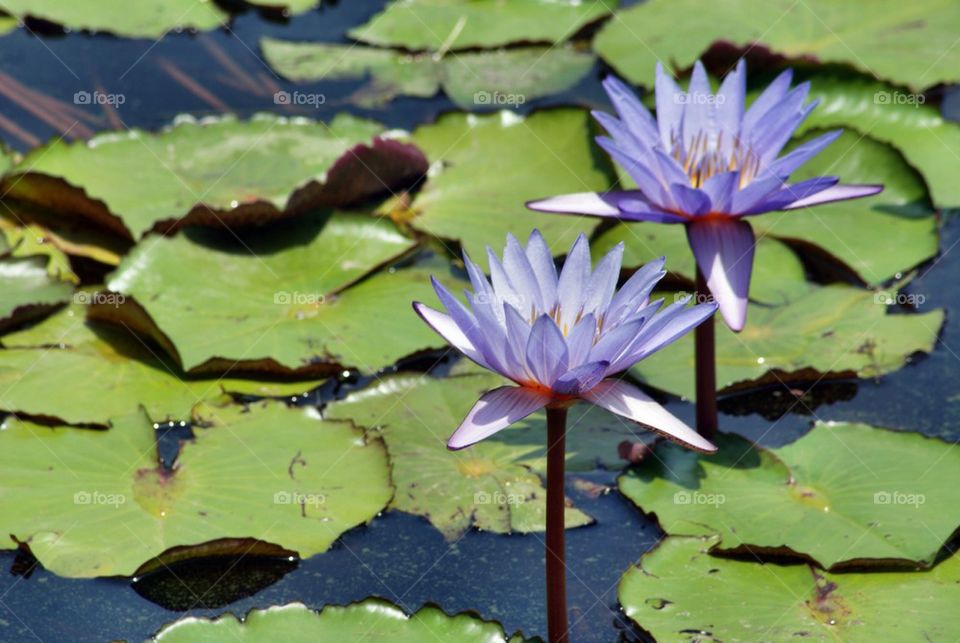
(723, 249)
(632, 112)
(444, 326)
(572, 286)
(547, 355)
(524, 279)
(730, 98)
(496, 410)
(770, 96)
(603, 282)
(788, 163)
(543, 267)
(630, 402)
(580, 379)
(669, 106)
(690, 200)
(836, 193)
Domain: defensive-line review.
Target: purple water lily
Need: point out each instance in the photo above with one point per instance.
(706, 162)
(561, 338)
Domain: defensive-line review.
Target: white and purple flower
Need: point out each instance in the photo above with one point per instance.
(707, 163)
(561, 338)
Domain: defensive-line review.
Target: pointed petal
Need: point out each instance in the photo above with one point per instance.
(547, 355)
(730, 99)
(444, 326)
(496, 410)
(669, 107)
(788, 194)
(770, 96)
(690, 200)
(679, 324)
(573, 281)
(590, 203)
(635, 116)
(699, 114)
(635, 292)
(836, 193)
(650, 185)
(543, 267)
(581, 379)
(630, 402)
(788, 163)
(603, 282)
(580, 339)
(724, 252)
(721, 188)
(522, 276)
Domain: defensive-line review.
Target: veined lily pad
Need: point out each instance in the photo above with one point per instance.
(26, 289)
(911, 44)
(679, 592)
(211, 172)
(876, 238)
(841, 493)
(502, 78)
(491, 485)
(460, 24)
(485, 167)
(275, 306)
(372, 619)
(96, 503)
(834, 329)
(143, 19)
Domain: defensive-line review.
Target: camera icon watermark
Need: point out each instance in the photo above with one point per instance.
(887, 298)
(899, 498)
(698, 98)
(98, 98)
(97, 498)
(498, 98)
(295, 298)
(299, 98)
(699, 498)
(883, 97)
(99, 298)
(498, 498)
(298, 498)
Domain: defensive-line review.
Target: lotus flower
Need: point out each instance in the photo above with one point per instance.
(561, 338)
(708, 163)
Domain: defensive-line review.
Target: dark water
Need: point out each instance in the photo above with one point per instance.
(400, 557)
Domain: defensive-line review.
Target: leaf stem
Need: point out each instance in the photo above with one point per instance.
(555, 554)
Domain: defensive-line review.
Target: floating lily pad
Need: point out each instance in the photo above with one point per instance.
(486, 79)
(876, 238)
(143, 19)
(211, 172)
(492, 485)
(485, 167)
(679, 592)
(27, 290)
(96, 503)
(371, 619)
(460, 24)
(831, 331)
(911, 44)
(842, 493)
(281, 302)
(895, 116)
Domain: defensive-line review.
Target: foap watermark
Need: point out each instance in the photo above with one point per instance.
(883, 97)
(887, 298)
(498, 498)
(99, 298)
(98, 98)
(299, 98)
(298, 498)
(295, 298)
(99, 498)
(698, 98)
(498, 98)
(698, 498)
(694, 297)
(899, 498)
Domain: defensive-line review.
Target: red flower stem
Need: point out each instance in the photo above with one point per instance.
(706, 367)
(555, 555)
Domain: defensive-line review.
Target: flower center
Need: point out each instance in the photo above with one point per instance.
(706, 156)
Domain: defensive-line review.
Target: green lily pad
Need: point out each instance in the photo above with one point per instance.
(143, 19)
(372, 619)
(96, 503)
(912, 44)
(27, 290)
(876, 238)
(503, 78)
(833, 330)
(485, 167)
(211, 172)
(492, 485)
(461, 24)
(841, 494)
(283, 301)
(679, 592)
(892, 115)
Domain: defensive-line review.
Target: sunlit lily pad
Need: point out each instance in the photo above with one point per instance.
(679, 592)
(835, 330)
(96, 502)
(909, 44)
(491, 486)
(483, 169)
(481, 80)
(460, 24)
(281, 300)
(27, 289)
(876, 238)
(842, 493)
(372, 619)
(211, 171)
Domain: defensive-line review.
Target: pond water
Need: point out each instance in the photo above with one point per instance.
(401, 557)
